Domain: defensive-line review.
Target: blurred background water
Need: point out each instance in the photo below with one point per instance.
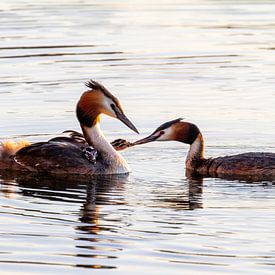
(211, 62)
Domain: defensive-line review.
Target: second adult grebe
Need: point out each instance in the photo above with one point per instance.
(254, 165)
(64, 155)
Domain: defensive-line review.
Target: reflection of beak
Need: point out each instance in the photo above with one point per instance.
(146, 140)
(127, 122)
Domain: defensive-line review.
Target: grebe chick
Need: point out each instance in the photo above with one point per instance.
(64, 155)
(254, 165)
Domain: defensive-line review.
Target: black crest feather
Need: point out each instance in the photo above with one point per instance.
(167, 124)
(93, 85)
(97, 86)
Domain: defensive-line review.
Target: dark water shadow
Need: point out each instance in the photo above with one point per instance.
(95, 236)
(90, 193)
(195, 183)
(183, 195)
(97, 190)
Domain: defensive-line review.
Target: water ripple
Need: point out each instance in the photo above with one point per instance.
(207, 61)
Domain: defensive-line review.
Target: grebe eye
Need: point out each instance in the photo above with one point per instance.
(161, 133)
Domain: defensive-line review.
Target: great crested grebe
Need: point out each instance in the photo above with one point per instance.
(67, 155)
(260, 166)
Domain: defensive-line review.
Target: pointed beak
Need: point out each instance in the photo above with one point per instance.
(127, 122)
(148, 139)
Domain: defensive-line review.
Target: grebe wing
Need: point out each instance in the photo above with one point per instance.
(54, 157)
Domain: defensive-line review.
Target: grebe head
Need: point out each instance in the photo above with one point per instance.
(98, 100)
(177, 130)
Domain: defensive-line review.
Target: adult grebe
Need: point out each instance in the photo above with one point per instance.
(256, 165)
(64, 155)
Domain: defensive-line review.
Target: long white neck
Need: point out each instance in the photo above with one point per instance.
(196, 151)
(110, 157)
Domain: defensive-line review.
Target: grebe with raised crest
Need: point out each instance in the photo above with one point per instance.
(66, 155)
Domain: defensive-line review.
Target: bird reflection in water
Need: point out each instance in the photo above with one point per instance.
(101, 191)
(184, 194)
(97, 230)
(195, 190)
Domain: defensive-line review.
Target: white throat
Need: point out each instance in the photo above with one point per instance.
(116, 163)
(196, 151)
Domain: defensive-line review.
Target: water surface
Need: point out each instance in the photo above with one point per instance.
(211, 62)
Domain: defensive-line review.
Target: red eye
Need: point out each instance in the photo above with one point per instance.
(161, 133)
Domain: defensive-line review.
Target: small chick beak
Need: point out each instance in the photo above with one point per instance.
(127, 122)
(148, 139)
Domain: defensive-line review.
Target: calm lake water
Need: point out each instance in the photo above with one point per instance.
(211, 62)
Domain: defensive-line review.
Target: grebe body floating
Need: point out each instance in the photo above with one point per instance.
(256, 166)
(68, 155)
